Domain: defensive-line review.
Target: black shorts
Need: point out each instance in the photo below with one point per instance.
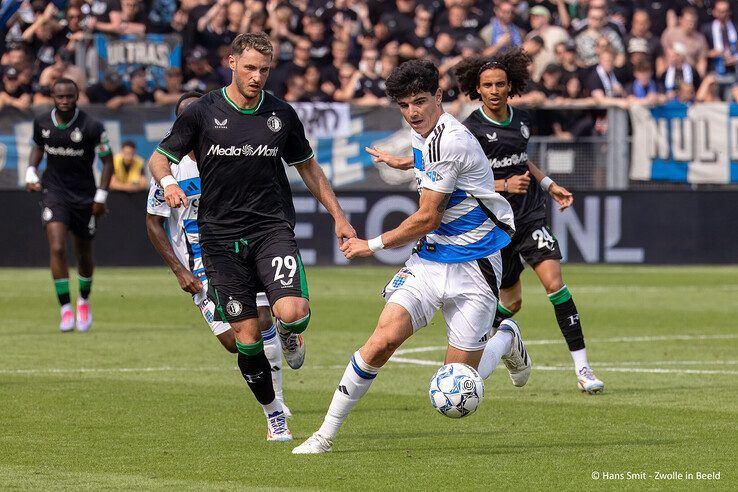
(238, 270)
(533, 242)
(78, 218)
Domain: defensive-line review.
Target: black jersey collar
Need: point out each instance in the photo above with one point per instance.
(239, 109)
(498, 123)
(63, 126)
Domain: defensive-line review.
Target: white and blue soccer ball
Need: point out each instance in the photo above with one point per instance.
(456, 390)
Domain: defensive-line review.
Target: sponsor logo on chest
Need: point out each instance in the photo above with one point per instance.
(243, 151)
(509, 161)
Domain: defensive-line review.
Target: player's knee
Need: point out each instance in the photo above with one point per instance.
(296, 323)
(265, 318)
(293, 314)
(58, 249)
(554, 285)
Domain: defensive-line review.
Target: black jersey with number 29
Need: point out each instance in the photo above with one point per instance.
(241, 155)
(505, 144)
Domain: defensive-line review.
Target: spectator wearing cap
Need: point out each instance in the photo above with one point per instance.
(13, 93)
(644, 89)
(586, 40)
(64, 67)
(685, 33)
(172, 89)
(722, 40)
(201, 75)
(140, 86)
(129, 19)
(678, 72)
(417, 43)
(128, 170)
(540, 23)
(111, 91)
(501, 34)
(640, 39)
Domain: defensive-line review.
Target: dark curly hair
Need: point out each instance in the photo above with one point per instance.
(513, 62)
(412, 77)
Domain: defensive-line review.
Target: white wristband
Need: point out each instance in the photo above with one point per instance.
(31, 176)
(376, 244)
(546, 183)
(167, 181)
(100, 196)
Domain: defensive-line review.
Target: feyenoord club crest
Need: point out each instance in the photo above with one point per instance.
(47, 214)
(76, 135)
(524, 131)
(234, 308)
(274, 123)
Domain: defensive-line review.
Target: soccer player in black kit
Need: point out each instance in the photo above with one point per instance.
(71, 202)
(241, 137)
(503, 132)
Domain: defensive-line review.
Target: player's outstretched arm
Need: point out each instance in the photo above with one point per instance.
(158, 237)
(426, 219)
(321, 189)
(32, 180)
(562, 196)
(393, 161)
(162, 173)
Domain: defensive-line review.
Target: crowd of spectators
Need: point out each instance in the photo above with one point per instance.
(584, 51)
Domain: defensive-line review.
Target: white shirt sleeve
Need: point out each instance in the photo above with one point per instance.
(156, 205)
(442, 174)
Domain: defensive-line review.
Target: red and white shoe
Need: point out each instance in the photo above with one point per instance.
(84, 315)
(67, 319)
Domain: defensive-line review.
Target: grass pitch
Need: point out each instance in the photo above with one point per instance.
(149, 400)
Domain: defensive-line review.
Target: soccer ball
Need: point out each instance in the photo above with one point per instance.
(456, 390)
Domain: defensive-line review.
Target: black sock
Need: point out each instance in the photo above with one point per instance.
(568, 318)
(501, 314)
(256, 370)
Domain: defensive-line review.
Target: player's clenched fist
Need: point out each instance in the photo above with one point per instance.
(174, 196)
(356, 248)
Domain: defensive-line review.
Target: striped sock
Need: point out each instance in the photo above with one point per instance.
(62, 290)
(85, 286)
(354, 384)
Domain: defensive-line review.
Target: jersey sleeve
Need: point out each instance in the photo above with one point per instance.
(297, 148)
(182, 137)
(156, 205)
(102, 146)
(37, 134)
(443, 164)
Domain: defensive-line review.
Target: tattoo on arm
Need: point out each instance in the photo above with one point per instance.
(442, 205)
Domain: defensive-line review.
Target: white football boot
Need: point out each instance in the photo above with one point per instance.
(588, 382)
(315, 444)
(518, 361)
(84, 315)
(286, 410)
(67, 319)
(293, 347)
(277, 427)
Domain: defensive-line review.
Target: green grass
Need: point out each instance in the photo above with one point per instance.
(149, 400)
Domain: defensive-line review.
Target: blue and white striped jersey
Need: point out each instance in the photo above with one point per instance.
(478, 221)
(182, 222)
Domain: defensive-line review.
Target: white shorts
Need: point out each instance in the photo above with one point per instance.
(467, 293)
(207, 308)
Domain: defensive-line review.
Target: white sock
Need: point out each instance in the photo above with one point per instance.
(274, 406)
(273, 351)
(353, 385)
(497, 346)
(580, 360)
